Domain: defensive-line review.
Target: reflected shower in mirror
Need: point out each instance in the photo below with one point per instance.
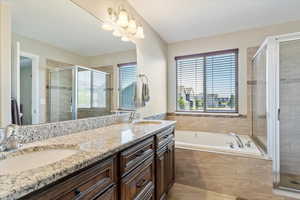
(65, 66)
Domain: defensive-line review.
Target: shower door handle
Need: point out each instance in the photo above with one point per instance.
(278, 114)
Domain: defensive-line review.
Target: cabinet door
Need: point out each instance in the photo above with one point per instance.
(110, 194)
(138, 182)
(161, 176)
(171, 165)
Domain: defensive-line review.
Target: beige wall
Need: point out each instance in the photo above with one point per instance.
(46, 51)
(5, 63)
(241, 40)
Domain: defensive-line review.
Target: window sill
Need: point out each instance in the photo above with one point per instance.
(198, 114)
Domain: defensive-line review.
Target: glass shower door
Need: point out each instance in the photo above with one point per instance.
(60, 95)
(289, 121)
(259, 90)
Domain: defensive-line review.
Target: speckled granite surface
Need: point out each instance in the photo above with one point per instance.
(93, 145)
(32, 133)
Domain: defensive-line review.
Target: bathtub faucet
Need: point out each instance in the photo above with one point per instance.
(238, 140)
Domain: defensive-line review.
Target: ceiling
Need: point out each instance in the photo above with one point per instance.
(177, 20)
(65, 25)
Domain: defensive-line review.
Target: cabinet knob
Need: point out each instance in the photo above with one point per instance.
(77, 192)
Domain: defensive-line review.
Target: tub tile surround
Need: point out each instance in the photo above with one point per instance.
(245, 178)
(240, 124)
(92, 146)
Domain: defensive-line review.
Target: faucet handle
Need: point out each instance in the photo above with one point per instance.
(10, 130)
(2, 135)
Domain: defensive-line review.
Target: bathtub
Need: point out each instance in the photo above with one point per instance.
(217, 142)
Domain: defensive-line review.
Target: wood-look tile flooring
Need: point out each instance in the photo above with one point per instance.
(184, 192)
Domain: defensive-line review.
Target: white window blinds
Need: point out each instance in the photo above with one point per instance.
(208, 82)
(127, 84)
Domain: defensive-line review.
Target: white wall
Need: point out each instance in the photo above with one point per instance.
(5, 63)
(241, 40)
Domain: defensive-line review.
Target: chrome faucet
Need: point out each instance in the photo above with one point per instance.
(8, 140)
(238, 140)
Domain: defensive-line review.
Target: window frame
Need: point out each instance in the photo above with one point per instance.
(119, 85)
(204, 55)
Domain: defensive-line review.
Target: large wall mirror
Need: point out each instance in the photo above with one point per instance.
(65, 66)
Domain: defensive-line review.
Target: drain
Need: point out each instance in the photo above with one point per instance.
(295, 182)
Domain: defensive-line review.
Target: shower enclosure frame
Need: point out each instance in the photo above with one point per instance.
(75, 70)
(272, 45)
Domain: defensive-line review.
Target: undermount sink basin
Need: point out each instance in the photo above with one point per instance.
(143, 123)
(31, 159)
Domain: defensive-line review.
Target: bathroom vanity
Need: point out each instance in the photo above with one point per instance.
(121, 161)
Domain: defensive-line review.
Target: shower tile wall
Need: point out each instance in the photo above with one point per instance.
(290, 108)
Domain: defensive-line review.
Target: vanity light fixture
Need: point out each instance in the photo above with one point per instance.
(123, 25)
(107, 27)
(125, 39)
(123, 18)
(117, 33)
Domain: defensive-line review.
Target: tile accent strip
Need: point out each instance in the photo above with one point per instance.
(32, 133)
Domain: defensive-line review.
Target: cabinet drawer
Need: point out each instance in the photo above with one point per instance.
(110, 194)
(85, 184)
(135, 155)
(164, 137)
(147, 195)
(136, 184)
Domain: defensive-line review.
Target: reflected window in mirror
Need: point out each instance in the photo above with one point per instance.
(127, 85)
(92, 87)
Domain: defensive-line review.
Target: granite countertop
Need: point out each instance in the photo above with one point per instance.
(92, 145)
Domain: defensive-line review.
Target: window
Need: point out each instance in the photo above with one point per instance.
(208, 82)
(127, 85)
(92, 89)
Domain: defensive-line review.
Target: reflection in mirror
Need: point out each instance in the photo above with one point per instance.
(65, 66)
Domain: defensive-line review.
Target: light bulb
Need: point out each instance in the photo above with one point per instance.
(117, 33)
(123, 19)
(125, 39)
(140, 33)
(107, 27)
(131, 26)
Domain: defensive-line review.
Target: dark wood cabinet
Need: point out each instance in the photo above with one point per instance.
(161, 173)
(139, 182)
(110, 194)
(135, 155)
(165, 157)
(170, 165)
(143, 171)
(85, 184)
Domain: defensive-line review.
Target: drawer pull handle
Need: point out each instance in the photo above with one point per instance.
(165, 137)
(141, 183)
(77, 192)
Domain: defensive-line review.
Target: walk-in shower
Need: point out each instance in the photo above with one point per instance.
(276, 106)
(77, 92)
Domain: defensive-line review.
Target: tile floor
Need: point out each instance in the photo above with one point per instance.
(184, 192)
